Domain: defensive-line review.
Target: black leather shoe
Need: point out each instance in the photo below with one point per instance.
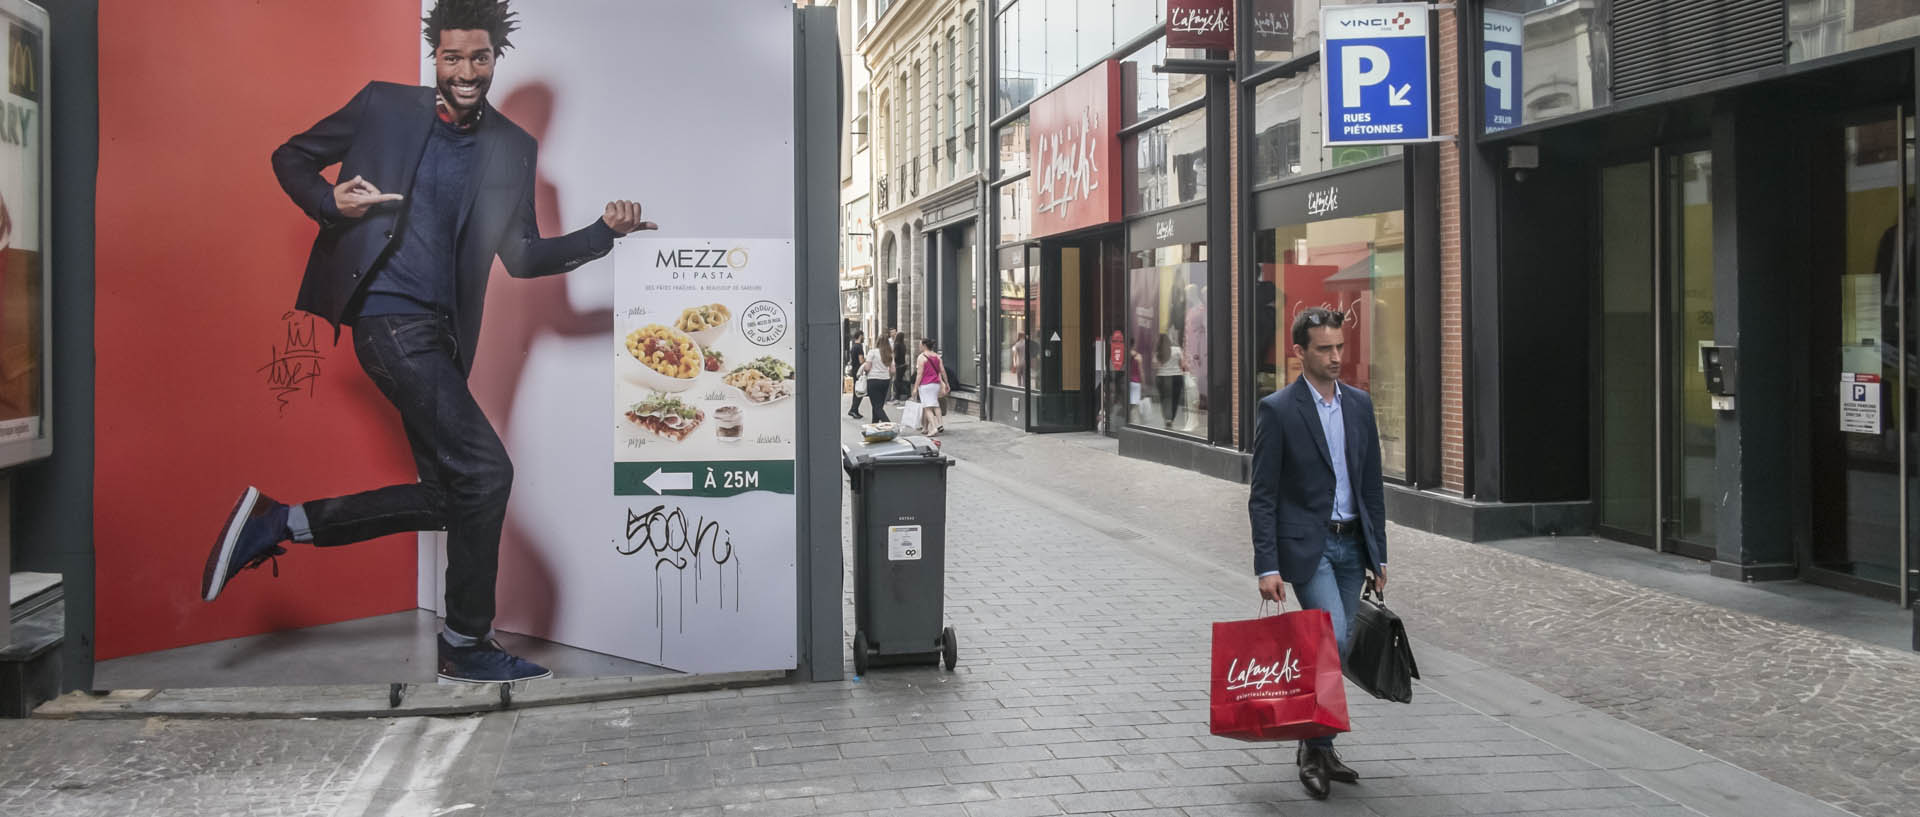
(1337, 771)
(1313, 772)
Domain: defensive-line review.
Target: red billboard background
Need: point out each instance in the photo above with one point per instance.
(1073, 146)
(205, 380)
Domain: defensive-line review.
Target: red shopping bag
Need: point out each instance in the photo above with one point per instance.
(1277, 678)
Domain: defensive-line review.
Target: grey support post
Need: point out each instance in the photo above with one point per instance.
(818, 480)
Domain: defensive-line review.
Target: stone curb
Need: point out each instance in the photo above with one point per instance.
(371, 701)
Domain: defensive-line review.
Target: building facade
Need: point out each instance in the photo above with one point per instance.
(921, 107)
(1652, 280)
(1691, 254)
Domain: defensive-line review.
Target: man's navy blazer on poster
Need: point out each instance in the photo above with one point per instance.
(1291, 499)
(380, 136)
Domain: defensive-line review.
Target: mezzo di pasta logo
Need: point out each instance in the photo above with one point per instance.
(23, 63)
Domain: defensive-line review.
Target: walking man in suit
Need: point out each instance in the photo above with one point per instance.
(1316, 503)
(434, 183)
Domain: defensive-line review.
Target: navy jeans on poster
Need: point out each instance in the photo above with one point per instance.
(1335, 588)
(465, 475)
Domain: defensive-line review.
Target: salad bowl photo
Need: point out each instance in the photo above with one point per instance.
(659, 357)
(763, 380)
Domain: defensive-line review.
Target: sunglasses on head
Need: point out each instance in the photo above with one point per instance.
(1333, 319)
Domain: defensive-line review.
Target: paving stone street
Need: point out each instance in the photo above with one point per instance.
(1082, 585)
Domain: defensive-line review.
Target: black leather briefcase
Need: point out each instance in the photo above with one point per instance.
(1379, 659)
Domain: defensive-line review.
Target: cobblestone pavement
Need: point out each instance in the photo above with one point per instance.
(1081, 585)
(1081, 689)
(1825, 715)
(164, 767)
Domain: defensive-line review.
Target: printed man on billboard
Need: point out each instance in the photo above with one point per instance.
(434, 184)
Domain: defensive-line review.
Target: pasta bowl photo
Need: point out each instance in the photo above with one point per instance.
(705, 323)
(659, 357)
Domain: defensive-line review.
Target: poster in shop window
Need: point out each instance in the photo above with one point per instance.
(22, 305)
(1860, 403)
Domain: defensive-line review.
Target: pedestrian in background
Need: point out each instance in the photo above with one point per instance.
(933, 386)
(878, 373)
(902, 374)
(856, 356)
(1169, 374)
(1316, 502)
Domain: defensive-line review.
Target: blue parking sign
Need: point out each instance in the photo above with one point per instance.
(1376, 80)
(1502, 35)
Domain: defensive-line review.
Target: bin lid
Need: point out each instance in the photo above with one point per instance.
(897, 451)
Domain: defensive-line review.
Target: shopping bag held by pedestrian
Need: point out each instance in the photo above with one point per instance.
(846, 385)
(860, 386)
(1277, 678)
(910, 419)
(1379, 659)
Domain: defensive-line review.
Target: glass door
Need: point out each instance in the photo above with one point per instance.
(1063, 388)
(1657, 436)
(1625, 476)
(1692, 426)
(1863, 360)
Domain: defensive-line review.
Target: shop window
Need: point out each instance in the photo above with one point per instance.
(1132, 18)
(1147, 94)
(1169, 164)
(1287, 138)
(1542, 59)
(1166, 360)
(1823, 28)
(1015, 215)
(1014, 350)
(1355, 266)
(1012, 140)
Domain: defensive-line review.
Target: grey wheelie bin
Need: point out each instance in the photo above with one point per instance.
(899, 552)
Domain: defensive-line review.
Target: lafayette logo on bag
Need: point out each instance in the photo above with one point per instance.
(1258, 676)
(1277, 678)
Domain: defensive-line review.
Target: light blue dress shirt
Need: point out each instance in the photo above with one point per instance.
(1336, 429)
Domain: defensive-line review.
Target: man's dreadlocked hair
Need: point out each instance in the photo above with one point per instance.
(490, 16)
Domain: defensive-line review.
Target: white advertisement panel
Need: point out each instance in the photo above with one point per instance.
(686, 108)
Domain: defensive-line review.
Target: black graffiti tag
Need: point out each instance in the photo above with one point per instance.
(674, 541)
(294, 366)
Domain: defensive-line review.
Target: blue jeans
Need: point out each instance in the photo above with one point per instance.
(1335, 588)
(465, 476)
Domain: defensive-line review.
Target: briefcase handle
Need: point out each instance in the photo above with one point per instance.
(1368, 590)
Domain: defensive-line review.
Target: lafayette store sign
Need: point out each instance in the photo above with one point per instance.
(1200, 24)
(1072, 146)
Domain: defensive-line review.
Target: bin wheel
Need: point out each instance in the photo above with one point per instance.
(859, 653)
(949, 648)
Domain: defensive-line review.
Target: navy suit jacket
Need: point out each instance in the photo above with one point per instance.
(1291, 499)
(380, 136)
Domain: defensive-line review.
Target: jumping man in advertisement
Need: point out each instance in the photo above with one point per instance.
(1316, 502)
(434, 183)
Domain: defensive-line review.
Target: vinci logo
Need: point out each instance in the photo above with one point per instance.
(1398, 22)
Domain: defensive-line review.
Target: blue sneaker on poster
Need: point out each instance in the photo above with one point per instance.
(485, 663)
(252, 535)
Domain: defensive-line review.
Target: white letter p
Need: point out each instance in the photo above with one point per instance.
(1353, 78)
